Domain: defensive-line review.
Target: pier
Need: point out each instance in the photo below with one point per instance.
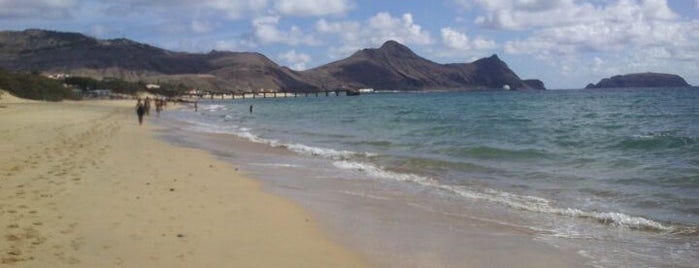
(268, 94)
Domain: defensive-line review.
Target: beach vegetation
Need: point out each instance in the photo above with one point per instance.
(124, 87)
(34, 86)
(170, 89)
(113, 84)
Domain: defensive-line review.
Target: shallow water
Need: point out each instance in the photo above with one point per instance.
(610, 175)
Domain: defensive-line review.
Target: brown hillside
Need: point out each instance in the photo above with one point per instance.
(390, 67)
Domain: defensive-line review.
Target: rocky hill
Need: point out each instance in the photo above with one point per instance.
(395, 67)
(641, 80)
(535, 83)
(390, 67)
(33, 50)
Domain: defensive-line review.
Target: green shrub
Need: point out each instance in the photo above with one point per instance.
(34, 86)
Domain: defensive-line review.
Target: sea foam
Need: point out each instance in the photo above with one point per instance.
(343, 159)
(512, 200)
(247, 134)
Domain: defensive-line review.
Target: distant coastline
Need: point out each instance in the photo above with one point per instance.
(392, 66)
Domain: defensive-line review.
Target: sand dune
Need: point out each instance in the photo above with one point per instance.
(7, 97)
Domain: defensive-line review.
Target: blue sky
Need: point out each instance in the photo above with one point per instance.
(565, 43)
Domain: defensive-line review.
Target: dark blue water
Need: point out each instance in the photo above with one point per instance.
(617, 159)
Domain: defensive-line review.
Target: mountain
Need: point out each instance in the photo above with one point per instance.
(76, 54)
(641, 80)
(57, 51)
(390, 67)
(254, 71)
(396, 67)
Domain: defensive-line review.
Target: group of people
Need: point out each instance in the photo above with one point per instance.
(143, 107)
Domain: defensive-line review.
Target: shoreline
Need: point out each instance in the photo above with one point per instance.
(85, 186)
(394, 224)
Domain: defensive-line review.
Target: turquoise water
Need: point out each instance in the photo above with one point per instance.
(599, 160)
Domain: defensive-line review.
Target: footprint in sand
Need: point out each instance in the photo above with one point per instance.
(73, 261)
(76, 244)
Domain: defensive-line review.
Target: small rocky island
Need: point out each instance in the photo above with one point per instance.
(641, 80)
(534, 84)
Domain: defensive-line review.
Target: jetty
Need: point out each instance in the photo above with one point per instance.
(267, 94)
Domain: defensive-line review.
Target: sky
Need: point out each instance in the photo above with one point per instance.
(565, 43)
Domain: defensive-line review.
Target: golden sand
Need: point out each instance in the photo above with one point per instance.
(83, 185)
(7, 98)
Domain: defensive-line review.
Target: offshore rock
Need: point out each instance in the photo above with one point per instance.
(641, 80)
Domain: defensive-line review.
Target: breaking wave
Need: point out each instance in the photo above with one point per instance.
(516, 201)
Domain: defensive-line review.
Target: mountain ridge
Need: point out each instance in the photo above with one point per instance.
(392, 66)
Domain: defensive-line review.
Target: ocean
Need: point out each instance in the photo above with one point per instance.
(611, 176)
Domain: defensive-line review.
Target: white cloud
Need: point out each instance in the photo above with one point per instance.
(532, 14)
(458, 42)
(529, 5)
(374, 32)
(128, 7)
(312, 7)
(226, 45)
(98, 31)
(592, 38)
(454, 40)
(649, 28)
(296, 60)
(52, 9)
(324, 26)
(604, 35)
(351, 36)
(386, 27)
(238, 9)
(252, 8)
(522, 14)
(199, 26)
(481, 43)
(265, 31)
(597, 65)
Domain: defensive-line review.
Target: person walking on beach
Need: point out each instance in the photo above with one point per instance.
(158, 106)
(140, 111)
(147, 105)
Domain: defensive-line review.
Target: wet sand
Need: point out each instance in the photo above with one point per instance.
(83, 185)
(392, 223)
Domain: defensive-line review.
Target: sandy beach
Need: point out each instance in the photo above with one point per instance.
(83, 185)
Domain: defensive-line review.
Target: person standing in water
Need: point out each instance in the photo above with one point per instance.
(140, 111)
(250, 108)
